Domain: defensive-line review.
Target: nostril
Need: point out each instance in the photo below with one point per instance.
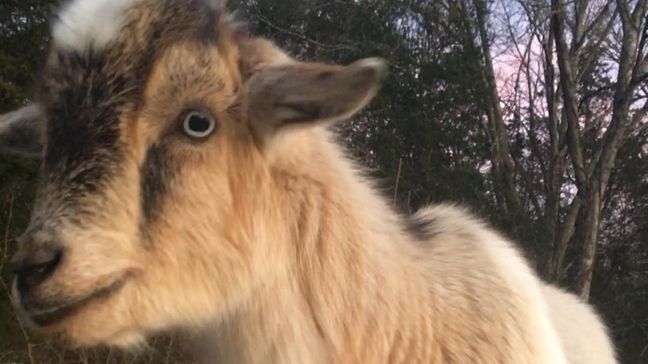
(36, 268)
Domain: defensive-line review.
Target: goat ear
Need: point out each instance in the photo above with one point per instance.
(255, 54)
(300, 94)
(21, 132)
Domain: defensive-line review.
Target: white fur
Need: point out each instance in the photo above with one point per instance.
(520, 276)
(84, 24)
(583, 334)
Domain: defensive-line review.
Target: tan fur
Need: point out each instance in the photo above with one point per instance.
(269, 244)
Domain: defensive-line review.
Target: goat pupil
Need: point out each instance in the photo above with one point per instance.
(199, 124)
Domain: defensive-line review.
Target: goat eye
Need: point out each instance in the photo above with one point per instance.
(198, 125)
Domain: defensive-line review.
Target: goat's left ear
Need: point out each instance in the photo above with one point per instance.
(302, 94)
(21, 132)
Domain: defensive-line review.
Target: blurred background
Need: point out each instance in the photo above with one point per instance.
(536, 119)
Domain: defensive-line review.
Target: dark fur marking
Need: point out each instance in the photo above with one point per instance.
(156, 174)
(420, 228)
(186, 20)
(82, 129)
(208, 33)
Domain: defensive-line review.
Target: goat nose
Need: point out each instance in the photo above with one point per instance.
(35, 268)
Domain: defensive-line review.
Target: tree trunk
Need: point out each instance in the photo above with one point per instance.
(554, 264)
(558, 234)
(589, 233)
(632, 21)
(503, 163)
(569, 94)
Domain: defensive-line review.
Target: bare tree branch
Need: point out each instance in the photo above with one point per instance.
(568, 93)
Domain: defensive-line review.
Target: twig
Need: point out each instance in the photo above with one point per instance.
(169, 350)
(5, 254)
(5, 245)
(300, 36)
(22, 328)
(398, 175)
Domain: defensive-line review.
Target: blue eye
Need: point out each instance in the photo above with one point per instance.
(197, 125)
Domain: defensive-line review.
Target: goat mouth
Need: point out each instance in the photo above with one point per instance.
(48, 316)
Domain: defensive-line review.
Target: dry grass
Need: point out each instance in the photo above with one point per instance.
(18, 346)
(161, 350)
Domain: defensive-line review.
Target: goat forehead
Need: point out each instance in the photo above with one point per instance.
(97, 72)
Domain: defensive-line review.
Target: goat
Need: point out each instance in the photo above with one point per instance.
(189, 182)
